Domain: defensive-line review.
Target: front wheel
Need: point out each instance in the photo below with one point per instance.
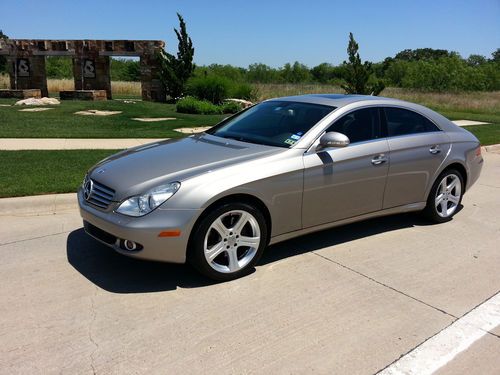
(445, 196)
(228, 242)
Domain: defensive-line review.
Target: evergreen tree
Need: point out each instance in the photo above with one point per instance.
(359, 76)
(176, 70)
(3, 59)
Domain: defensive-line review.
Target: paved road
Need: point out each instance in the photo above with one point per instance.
(351, 300)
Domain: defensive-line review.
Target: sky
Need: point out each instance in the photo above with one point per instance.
(273, 32)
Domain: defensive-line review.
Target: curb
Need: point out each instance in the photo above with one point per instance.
(38, 204)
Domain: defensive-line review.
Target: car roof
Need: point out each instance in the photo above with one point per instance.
(341, 100)
(334, 100)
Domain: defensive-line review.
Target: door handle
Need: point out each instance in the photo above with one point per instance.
(435, 150)
(379, 159)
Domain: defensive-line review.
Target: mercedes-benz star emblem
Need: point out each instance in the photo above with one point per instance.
(87, 189)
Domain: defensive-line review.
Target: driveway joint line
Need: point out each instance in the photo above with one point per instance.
(491, 186)
(91, 338)
(387, 286)
(34, 238)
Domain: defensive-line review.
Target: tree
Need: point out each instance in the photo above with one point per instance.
(176, 70)
(476, 60)
(3, 60)
(423, 54)
(296, 73)
(359, 76)
(495, 56)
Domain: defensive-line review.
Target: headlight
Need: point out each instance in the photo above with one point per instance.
(141, 205)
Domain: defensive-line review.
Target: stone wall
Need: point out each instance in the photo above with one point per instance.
(91, 63)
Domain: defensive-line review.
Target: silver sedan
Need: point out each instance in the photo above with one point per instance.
(277, 170)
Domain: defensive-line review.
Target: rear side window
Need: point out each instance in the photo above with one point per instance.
(361, 125)
(402, 122)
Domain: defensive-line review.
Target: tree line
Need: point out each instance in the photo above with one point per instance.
(422, 69)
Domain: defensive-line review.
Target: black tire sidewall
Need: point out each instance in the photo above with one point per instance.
(195, 253)
(430, 209)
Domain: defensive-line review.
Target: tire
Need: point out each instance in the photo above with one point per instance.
(228, 242)
(443, 203)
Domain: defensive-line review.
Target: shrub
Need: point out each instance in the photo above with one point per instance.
(243, 91)
(195, 106)
(231, 107)
(204, 107)
(212, 88)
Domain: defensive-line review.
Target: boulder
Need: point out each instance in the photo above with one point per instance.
(41, 101)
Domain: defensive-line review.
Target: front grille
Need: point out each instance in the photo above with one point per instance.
(100, 195)
(99, 233)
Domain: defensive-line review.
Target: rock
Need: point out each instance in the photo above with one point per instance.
(192, 130)
(41, 101)
(96, 112)
(39, 109)
(153, 119)
(244, 103)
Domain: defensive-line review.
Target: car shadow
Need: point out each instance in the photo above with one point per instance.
(117, 273)
(342, 234)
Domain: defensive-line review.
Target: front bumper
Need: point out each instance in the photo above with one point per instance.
(142, 230)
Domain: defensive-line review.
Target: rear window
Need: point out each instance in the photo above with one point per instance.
(402, 122)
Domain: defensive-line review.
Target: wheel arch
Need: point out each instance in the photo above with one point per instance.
(460, 168)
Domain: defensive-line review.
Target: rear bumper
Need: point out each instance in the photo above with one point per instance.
(111, 229)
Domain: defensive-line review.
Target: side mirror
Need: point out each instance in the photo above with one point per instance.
(333, 139)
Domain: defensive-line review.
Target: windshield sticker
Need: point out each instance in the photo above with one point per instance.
(289, 141)
(295, 137)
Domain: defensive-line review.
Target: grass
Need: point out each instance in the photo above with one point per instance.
(487, 134)
(119, 88)
(61, 122)
(45, 172)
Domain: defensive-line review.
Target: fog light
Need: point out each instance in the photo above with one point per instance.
(130, 245)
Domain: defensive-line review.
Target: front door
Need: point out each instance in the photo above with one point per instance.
(345, 182)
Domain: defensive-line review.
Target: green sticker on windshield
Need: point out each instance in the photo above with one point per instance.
(290, 142)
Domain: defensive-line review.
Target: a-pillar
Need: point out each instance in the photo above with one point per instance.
(92, 72)
(151, 87)
(28, 72)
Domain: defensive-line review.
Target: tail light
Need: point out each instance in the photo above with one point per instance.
(478, 151)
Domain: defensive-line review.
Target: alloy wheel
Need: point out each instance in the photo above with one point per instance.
(232, 241)
(448, 195)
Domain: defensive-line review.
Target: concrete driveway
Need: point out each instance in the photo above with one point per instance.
(351, 300)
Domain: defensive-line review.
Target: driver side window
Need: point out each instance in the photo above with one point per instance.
(361, 125)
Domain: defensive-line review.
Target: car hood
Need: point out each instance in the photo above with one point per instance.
(139, 169)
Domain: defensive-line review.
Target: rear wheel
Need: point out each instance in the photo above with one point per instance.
(228, 242)
(445, 196)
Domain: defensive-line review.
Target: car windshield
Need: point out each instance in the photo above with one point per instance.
(273, 123)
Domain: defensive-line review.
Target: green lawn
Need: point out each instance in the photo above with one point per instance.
(61, 122)
(487, 134)
(45, 172)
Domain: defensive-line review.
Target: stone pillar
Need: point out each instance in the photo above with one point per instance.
(151, 87)
(27, 72)
(92, 72)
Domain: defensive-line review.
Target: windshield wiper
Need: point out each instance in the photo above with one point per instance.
(241, 139)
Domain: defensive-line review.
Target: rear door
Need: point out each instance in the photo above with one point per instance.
(417, 149)
(345, 182)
